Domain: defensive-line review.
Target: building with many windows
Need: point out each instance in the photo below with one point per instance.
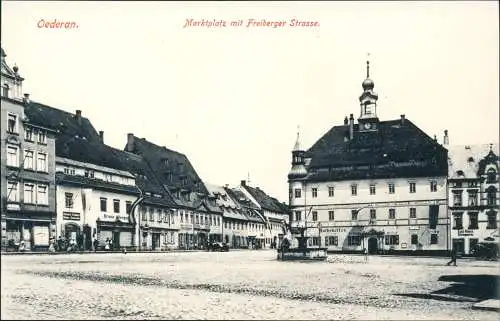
(275, 214)
(196, 207)
(473, 193)
(379, 185)
(28, 208)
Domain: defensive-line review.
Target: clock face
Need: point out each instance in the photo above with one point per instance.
(368, 126)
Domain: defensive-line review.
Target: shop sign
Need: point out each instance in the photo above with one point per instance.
(465, 232)
(332, 230)
(71, 216)
(13, 207)
(186, 226)
(41, 235)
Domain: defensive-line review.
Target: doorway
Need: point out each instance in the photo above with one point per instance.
(87, 238)
(155, 240)
(116, 240)
(372, 245)
(459, 246)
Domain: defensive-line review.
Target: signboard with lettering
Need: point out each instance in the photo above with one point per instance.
(71, 216)
(332, 230)
(41, 235)
(465, 232)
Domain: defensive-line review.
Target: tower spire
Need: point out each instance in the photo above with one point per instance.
(368, 69)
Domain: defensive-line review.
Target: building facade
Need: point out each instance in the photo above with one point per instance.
(375, 185)
(28, 209)
(276, 215)
(473, 193)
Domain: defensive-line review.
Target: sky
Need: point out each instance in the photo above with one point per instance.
(232, 98)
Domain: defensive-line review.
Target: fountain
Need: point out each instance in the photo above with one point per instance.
(302, 251)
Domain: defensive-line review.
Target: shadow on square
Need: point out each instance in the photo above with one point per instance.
(465, 288)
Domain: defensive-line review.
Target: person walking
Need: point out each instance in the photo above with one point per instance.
(453, 258)
(96, 244)
(366, 254)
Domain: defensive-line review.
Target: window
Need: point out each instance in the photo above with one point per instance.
(314, 241)
(144, 215)
(392, 213)
(433, 216)
(28, 159)
(314, 192)
(116, 206)
(151, 215)
(472, 198)
(12, 156)
(414, 239)
(298, 193)
(191, 219)
(354, 189)
(391, 188)
(353, 240)
(41, 165)
(28, 193)
(457, 198)
(413, 212)
(298, 215)
(12, 123)
(128, 206)
(5, 90)
(331, 191)
(434, 186)
(491, 197)
(314, 216)
(473, 221)
(458, 184)
(104, 203)
(331, 240)
(413, 187)
(42, 137)
(28, 134)
(472, 184)
(392, 240)
(331, 215)
(107, 178)
(290, 193)
(373, 214)
(354, 215)
(457, 221)
(434, 238)
(89, 173)
(160, 215)
(372, 189)
(12, 192)
(492, 220)
(68, 200)
(491, 175)
(42, 198)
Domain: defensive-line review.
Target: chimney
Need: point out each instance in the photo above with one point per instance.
(243, 183)
(351, 126)
(26, 98)
(402, 119)
(446, 139)
(346, 121)
(78, 116)
(130, 143)
(101, 136)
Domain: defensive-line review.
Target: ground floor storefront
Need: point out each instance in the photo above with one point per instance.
(195, 239)
(27, 232)
(159, 239)
(114, 235)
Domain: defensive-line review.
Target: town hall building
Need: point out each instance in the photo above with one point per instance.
(371, 184)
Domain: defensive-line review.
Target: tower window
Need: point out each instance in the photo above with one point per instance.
(314, 192)
(354, 189)
(372, 189)
(5, 90)
(298, 193)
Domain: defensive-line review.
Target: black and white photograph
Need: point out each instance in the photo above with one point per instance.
(250, 160)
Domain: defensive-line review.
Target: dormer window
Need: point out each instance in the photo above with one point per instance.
(42, 137)
(165, 161)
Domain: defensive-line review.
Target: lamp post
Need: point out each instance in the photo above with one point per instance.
(138, 221)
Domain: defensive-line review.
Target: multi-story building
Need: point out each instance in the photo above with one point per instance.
(275, 214)
(28, 208)
(473, 188)
(196, 207)
(379, 185)
(253, 221)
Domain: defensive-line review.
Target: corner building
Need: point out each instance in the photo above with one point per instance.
(379, 185)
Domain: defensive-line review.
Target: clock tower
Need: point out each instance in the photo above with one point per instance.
(368, 120)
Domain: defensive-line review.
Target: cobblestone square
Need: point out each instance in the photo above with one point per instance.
(242, 285)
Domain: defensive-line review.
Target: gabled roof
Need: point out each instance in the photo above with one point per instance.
(394, 142)
(466, 161)
(66, 123)
(165, 162)
(6, 70)
(265, 201)
(77, 180)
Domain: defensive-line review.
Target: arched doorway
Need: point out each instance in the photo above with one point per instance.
(372, 245)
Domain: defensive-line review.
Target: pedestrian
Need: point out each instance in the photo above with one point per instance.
(453, 258)
(96, 244)
(22, 246)
(51, 245)
(106, 245)
(59, 243)
(366, 254)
